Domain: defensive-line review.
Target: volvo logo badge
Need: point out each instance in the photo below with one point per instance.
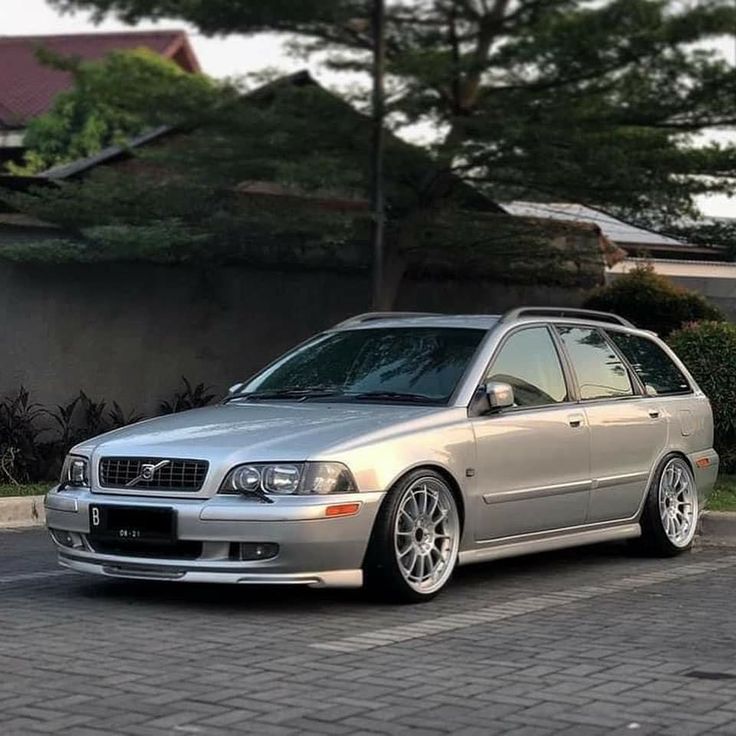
(148, 470)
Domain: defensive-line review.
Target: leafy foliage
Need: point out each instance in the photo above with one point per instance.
(34, 439)
(709, 351)
(197, 207)
(652, 302)
(111, 101)
(587, 102)
(190, 397)
(19, 438)
(598, 103)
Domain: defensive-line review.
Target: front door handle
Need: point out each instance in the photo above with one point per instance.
(575, 420)
(654, 413)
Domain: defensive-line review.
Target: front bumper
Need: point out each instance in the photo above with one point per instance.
(313, 550)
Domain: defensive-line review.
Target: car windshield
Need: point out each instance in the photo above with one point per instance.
(386, 365)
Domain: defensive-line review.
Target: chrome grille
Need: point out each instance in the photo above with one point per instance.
(176, 475)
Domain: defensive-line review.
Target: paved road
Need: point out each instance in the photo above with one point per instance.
(583, 642)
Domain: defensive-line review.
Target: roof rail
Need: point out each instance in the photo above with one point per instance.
(565, 312)
(374, 316)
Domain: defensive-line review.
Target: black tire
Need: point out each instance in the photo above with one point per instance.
(655, 539)
(382, 571)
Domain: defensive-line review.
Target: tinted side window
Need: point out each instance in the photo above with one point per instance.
(599, 371)
(655, 368)
(528, 361)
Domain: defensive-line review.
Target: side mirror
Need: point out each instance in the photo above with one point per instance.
(499, 395)
(235, 388)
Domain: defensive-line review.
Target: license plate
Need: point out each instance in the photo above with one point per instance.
(132, 523)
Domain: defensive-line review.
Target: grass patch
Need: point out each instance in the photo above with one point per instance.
(723, 497)
(32, 489)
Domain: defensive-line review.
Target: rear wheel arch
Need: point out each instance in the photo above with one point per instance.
(656, 469)
(654, 538)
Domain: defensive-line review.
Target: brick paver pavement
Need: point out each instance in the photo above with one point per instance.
(584, 642)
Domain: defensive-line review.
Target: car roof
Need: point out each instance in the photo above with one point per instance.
(388, 320)
(374, 320)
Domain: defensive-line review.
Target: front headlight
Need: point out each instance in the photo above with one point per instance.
(75, 472)
(289, 479)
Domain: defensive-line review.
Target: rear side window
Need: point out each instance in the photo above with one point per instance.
(529, 363)
(654, 367)
(600, 372)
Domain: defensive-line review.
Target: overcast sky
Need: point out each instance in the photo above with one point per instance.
(232, 56)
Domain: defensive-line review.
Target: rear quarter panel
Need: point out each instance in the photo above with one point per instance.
(691, 431)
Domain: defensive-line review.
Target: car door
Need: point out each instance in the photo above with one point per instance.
(627, 431)
(533, 465)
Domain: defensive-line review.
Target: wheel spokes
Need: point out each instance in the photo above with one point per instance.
(677, 503)
(426, 535)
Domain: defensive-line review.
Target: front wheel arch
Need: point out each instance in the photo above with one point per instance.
(447, 476)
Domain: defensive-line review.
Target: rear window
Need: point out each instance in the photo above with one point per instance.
(654, 367)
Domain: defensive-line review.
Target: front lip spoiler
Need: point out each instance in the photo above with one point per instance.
(209, 574)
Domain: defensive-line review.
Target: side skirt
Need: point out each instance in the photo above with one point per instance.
(525, 545)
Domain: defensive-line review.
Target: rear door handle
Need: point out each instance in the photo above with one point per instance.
(654, 413)
(575, 420)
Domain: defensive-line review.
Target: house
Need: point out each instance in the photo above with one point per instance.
(28, 87)
(706, 270)
(472, 238)
(633, 240)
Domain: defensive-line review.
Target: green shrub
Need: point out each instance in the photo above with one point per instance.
(708, 349)
(34, 439)
(652, 302)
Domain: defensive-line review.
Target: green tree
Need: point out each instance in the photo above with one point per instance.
(531, 94)
(593, 102)
(112, 100)
(708, 349)
(188, 197)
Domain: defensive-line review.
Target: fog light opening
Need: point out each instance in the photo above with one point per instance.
(252, 551)
(71, 540)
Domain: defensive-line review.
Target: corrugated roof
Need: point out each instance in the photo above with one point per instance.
(28, 88)
(614, 229)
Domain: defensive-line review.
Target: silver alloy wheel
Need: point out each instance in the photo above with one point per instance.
(678, 502)
(427, 535)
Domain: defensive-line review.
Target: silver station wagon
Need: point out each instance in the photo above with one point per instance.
(391, 448)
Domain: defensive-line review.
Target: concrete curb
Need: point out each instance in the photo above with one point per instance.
(718, 528)
(22, 511)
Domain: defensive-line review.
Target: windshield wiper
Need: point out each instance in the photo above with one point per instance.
(395, 396)
(300, 394)
(305, 394)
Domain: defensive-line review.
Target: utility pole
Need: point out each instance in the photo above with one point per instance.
(378, 197)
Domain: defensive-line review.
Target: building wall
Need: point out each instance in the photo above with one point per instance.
(715, 280)
(128, 332)
(721, 292)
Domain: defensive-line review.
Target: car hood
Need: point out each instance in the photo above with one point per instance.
(252, 432)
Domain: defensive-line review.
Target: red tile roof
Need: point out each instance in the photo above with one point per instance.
(27, 88)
